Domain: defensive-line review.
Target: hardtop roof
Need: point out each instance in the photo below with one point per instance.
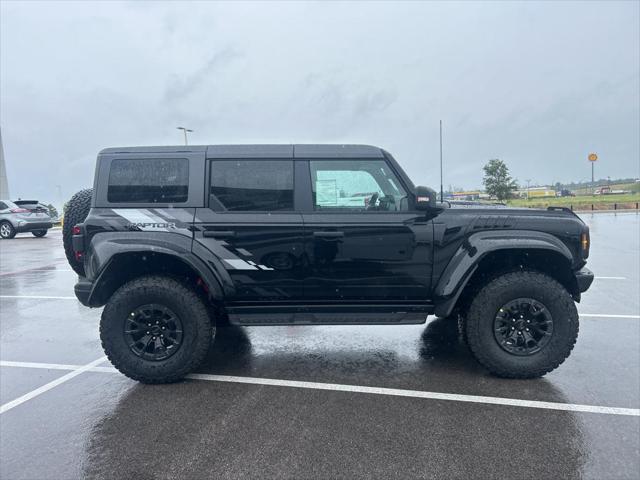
(261, 151)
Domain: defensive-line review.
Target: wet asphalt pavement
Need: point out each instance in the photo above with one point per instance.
(100, 424)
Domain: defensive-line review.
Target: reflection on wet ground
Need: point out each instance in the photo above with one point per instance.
(102, 425)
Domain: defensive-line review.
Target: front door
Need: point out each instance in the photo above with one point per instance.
(252, 227)
(362, 242)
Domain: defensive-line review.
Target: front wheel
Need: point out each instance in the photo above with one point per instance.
(156, 330)
(39, 233)
(6, 230)
(522, 325)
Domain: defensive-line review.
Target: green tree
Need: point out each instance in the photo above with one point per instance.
(497, 181)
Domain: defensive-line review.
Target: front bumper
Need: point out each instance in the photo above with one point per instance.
(584, 278)
(82, 290)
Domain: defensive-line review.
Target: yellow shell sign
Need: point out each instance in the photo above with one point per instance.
(593, 157)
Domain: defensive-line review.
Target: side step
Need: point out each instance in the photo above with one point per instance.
(328, 315)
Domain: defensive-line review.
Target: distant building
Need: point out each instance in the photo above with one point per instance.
(470, 195)
(536, 192)
(4, 184)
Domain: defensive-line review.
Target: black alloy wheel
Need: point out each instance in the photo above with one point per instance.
(153, 332)
(523, 326)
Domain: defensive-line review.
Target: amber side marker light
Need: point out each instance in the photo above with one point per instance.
(584, 241)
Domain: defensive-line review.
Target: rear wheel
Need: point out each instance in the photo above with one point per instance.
(6, 230)
(156, 330)
(39, 233)
(522, 325)
(76, 212)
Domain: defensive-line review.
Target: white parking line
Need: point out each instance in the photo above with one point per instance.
(38, 297)
(336, 387)
(77, 370)
(610, 278)
(595, 315)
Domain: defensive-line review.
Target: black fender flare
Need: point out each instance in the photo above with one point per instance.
(107, 247)
(465, 261)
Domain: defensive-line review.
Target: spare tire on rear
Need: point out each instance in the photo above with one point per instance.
(75, 212)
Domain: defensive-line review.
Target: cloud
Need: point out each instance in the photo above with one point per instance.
(536, 84)
(189, 85)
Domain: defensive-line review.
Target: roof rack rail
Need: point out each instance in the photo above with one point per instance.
(563, 209)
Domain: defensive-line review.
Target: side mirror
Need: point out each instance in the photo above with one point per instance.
(425, 198)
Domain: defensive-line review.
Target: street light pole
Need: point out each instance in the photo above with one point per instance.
(185, 130)
(441, 189)
(528, 182)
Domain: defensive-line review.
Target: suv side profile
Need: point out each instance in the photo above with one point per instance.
(175, 241)
(23, 216)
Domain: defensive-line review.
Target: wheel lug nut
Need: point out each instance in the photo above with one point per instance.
(156, 322)
(527, 329)
(148, 324)
(153, 338)
(163, 328)
(148, 332)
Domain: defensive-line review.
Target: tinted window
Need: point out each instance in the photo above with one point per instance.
(3, 206)
(159, 180)
(360, 185)
(252, 185)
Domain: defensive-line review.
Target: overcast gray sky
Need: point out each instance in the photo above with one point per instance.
(539, 85)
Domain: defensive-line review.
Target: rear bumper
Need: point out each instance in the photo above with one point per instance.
(32, 226)
(82, 290)
(584, 278)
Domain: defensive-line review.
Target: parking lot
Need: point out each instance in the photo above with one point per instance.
(317, 402)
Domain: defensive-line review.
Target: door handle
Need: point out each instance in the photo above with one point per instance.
(328, 235)
(218, 233)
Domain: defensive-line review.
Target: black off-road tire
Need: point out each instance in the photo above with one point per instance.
(7, 231)
(198, 329)
(76, 212)
(503, 289)
(39, 233)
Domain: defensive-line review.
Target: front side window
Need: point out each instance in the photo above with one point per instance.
(356, 185)
(252, 185)
(149, 180)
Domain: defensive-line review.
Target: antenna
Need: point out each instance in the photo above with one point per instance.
(441, 189)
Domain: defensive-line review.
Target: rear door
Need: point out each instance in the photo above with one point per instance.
(250, 222)
(362, 240)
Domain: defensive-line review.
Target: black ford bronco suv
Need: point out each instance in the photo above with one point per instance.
(176, 240)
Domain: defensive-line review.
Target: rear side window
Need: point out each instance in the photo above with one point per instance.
(149, 180)
(252, 185)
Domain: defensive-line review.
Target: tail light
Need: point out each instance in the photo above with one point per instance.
(19, 210)
(78, 242)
